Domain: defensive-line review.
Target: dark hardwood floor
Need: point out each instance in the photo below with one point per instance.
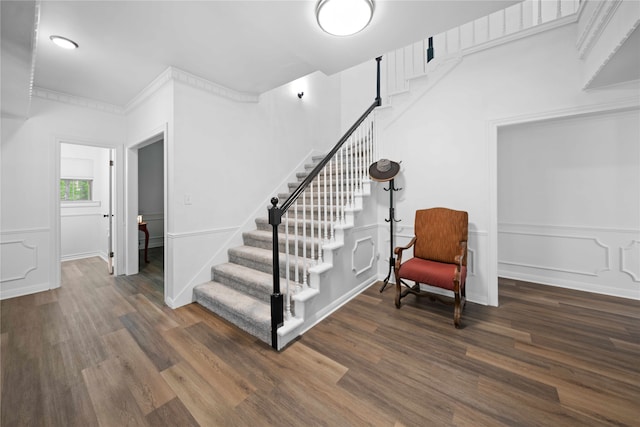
(103, 350)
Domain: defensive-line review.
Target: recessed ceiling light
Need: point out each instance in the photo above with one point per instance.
(344, 17)
(64, 42)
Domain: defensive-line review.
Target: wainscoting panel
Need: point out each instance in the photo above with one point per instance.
(593, 259)
(25, 262)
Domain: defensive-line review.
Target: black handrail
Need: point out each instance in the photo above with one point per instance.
(275, 213)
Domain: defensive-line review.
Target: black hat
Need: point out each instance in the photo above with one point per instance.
(383, 170)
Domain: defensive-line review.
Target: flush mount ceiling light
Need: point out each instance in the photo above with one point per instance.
(344, 17)
(64, 42)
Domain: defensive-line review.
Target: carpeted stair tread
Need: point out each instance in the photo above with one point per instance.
(256, 283)
(262, 259)
(244, 311)
(264, 239)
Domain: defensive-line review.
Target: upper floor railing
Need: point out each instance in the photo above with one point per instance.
(413, 60)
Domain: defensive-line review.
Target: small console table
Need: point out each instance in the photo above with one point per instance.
(142, 226)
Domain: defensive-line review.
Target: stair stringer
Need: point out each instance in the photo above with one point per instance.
(185, 295)
(336, 281)
(418, 86)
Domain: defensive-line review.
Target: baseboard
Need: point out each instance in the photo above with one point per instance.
(83, 255)
(23, 290)
(571, 284)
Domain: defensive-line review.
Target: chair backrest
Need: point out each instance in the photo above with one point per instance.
(439, 232)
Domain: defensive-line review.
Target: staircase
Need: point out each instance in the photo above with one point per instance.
(240, 290)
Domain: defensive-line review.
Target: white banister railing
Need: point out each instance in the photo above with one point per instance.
(311, 221)
(411, 61)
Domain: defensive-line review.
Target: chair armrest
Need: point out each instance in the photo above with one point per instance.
(398, 251)
(463, 251)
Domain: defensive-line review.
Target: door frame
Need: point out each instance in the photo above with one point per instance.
(118, 205)
(131, 222)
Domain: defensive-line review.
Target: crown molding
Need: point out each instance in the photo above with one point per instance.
(34, 49)
(149, 90)
(170, 74)
(211, 87)
(178, 75)
(76, 100)
(596, 25)
(606, 60)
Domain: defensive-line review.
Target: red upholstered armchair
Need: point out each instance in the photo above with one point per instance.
(439, 257)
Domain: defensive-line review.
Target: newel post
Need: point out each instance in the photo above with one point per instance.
(277, 305)
(378, 98)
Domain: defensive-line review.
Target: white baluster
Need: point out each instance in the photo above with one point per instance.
(424, 56)
(319, 239)
(539, 12)
(295, 248)
(287, 273)
(360, 173)
(326, 220)
(559, 9)
(333, 198)
(304, 239)
(446, 42)
(311, 207)
(473, 33)
(342, 198)
(488, 28)
(352, 186)
(504, 21)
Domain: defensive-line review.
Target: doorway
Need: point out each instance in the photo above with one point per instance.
(151, 208)
(146, 201)
(86, 203)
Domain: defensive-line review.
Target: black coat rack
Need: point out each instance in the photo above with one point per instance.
(391, 220)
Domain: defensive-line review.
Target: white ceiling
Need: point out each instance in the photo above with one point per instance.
(248, 46)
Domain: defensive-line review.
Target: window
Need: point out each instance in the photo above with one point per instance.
(72, 190)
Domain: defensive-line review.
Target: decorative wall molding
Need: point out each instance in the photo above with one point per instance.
(361, 259)
(471, 261)
(196, 233)
(594, 239)
(30, 260)
(76, 100)
(624, 251)
(579, 228)
(25, 231)
(71, 215)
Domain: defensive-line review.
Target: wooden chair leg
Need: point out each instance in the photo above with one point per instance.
(457, 310)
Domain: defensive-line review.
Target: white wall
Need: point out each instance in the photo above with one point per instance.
(447, 139)
(229, 159)
(83, 228)
(151, 192)
(569, 202)
(29, 212)
(150, 115)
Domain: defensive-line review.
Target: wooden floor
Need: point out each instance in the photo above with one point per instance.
(103, 350)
